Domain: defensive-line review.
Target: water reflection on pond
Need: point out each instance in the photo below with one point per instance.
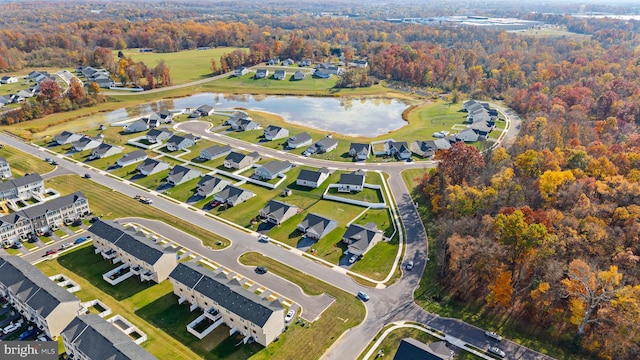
(368, 117)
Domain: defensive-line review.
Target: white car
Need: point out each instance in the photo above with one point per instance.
(11, 328)
(497, 351)
(493, 335)
(289, 316)
(353, 259)
(263, 238)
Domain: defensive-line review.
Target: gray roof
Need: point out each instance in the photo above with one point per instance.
(218, 149)
(312, 175)
(277, 209)
(276, 166)
(359, 147)
(178, 139)
(244, 123)
(102, 149)
(467, 135)
(100, 340)
(179, 171)
(272, 130)
(327, 143)
(149, 164)
(135, 245)
(21, 181)
(481, 126)
(209, 182)
(280, 72)
(134, 155)
(2, 159)
(237, 157)
(158, 131)
(300, 138)
(63, 136)
(31, 286)
(352, 179)
(84, 141)
(40, 210)
(361, 236)
(229, 294)
(231, 192)
(429, 147)
(316, 222)
(400, 146)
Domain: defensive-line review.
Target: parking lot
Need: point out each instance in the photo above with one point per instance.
(15, 326)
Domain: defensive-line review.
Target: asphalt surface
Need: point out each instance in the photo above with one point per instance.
(393, 303)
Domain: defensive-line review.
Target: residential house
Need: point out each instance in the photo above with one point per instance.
(214, 152)
(225, 301)
(132, 158)
(5, 169)
(352, 182)
(482, 128)
(277, 212)
(158, 135)
(359, 151)
(237, 116)
(25, 94)
(273, 61)
(262, 74)
(273, 132)
(361, 64)
(299, 140)
(205, 110)
(305, 62)
(360, 239)
(151, 166)
(4, 100)
(413, 349)
(279, 74)
(181, 174)
(467, 135)
(288, 62)
(43, 217)
(8, 80)
(104, 150)
(178, 142)
(240, 71)
(330, 69)
(209, 185)
(245, 125)
(104, 82)
(322, 74)
(323, 146)
(236, 160)
(66, 137)
(312, 178)
(315, 226)
(90, 337)
(151, 261)
(428, 148)
(86, 143)
(137, 126)
(299, 75)
(399, 149)
(232, 195)
(39, 299)
(166, 116)
(23, 188)
(272, 169)
(466, 105)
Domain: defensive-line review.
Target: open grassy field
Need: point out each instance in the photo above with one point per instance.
(185, 66)
(248, 83)
(309, 342)
(22, 163)
(113, 205)
(152, 307)
(426, 119)
(559, 32)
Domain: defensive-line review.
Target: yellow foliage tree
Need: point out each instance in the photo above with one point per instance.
(551, 180)
(500, 290)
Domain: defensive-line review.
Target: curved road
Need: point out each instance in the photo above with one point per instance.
(394, 303)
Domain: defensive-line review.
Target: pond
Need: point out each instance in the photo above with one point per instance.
(368, 117)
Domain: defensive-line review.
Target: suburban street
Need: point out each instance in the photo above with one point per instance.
(393, 303)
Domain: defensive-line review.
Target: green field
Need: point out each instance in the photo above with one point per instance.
(22, 163)
(247, 83)
(560, 32)
(185, 66)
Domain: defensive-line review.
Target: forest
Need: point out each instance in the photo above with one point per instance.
(546, 231)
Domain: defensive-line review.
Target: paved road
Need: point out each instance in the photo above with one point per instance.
(393, 303)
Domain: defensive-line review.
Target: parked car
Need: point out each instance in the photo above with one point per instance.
(263, 238)
(27, 334)
(47, 159)
(261, 270)
(66, 245)
(12, 327)
(497, 351)
(51, 252)
(94, 219)
(42, 338)
(80, 240)
(54, 162)
(289, 316)
(363, 296)
(87, 176)
(353, 259)
(409, 265)
(493, 335)
(17, 245)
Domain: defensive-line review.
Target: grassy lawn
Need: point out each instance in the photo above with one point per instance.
(381, 217)
(341, 212)
(426, 119)
(114, 205)
(185, 66)
(309, 343)
(247, 84)
(369, 195)
(22, 84)
(411, 177)
(390, 344)
(184, 191)
(560, 32)
(22, 163)
(152, 181)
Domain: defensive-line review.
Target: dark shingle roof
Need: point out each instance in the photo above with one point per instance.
(276, 166)
(277, 209)
(218, 149)
(310, 175)
(19, 182)
(158, 131)
(149, 164)
(31, 286)
(316, 222)
(229, 294)
(134, 155)
(100, 340)
(352, 179)
(413, 349)
(135, 245)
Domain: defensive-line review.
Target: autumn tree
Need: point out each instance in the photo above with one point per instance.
(501, 290)
(49, 90)
(76, 91)
(460, 162)
(589, 290)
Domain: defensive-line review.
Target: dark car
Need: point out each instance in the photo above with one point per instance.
(363, 296)
(80, 240)
(27, 334)
(94, 219)
(54, 162)
(87, 176)
(261, 270)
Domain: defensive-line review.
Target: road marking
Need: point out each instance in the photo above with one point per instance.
(241, 148)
